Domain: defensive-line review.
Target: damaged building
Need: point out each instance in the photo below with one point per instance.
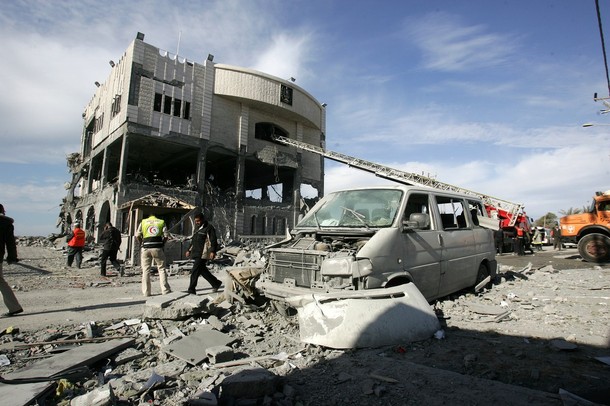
(167, 136)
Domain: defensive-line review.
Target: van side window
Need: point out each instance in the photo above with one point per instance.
(452, 211)
(476, 211)
(418, 203)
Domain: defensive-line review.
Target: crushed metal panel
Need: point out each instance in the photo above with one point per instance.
(193, 348)
(370, 318)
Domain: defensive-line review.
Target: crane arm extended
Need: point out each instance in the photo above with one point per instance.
(407, 178)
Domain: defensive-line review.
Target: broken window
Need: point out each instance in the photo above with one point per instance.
(187, 111)
(167, 106)
(177, 107)
(355, 208)
(158, 102)
(267, 131)
(116, 105)
(452, 212)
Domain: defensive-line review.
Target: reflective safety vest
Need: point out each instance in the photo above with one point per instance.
(79, 238)
(152, 232)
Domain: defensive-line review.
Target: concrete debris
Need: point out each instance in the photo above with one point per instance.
(220, 350)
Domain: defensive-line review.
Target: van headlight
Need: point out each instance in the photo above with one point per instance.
(346, 267)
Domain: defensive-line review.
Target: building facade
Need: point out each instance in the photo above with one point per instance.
(193, 135)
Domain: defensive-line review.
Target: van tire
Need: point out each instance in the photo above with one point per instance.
(595, 248)
(481, 275)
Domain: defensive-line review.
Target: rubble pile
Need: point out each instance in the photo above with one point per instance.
(264, 346)
(537, 329)
(48, 242)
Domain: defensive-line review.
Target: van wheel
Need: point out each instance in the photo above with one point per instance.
(594, 248)
(481, 275)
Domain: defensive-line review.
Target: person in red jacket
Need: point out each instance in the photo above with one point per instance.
(76, 244)
(7, 240)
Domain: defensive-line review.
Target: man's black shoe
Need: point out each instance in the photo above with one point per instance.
(10, 314)
(191, 292)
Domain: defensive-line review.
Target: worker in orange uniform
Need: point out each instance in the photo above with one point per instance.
(520, 241)
(76, 244)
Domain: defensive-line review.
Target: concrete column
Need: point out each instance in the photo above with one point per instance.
(123, 161)
(104, 174)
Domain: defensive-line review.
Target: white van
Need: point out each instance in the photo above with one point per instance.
(381, 237)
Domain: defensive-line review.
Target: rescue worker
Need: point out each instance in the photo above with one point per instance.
(520, 241)
(152, 234)
(537, 239)
(76, 245)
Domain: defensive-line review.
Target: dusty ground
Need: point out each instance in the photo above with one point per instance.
(536, 332)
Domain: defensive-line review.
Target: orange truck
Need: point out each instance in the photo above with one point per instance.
(591, 230)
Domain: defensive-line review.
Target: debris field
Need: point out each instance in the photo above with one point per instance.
(540, 336)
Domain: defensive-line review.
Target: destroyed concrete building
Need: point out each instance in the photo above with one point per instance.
(164, 135)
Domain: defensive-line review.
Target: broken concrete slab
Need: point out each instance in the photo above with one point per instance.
(249, 383)
(193, 348)
(178, 307)
(54, 366)
(369, 318)
(161, 301)
(220, 353)
(139, 381)
(25, 394)
(74, 358)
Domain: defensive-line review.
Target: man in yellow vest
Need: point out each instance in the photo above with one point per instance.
(152, 235)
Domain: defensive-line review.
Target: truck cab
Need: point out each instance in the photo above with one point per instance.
(591, 230)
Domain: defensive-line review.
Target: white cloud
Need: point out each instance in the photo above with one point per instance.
(448, 44)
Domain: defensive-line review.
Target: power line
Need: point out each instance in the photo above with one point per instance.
(601, 34)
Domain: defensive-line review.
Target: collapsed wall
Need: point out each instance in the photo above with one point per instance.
(200, 136)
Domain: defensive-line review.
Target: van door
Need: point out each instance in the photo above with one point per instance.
(458, 266)
(422, 252)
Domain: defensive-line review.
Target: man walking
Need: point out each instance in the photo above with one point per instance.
(152, 234)
(111, 240)
(204, 234)
(7, 244)
(76, 244)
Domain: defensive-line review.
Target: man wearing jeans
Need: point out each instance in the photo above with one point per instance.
(153, 234)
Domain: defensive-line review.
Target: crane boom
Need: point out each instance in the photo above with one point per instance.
(407, 178)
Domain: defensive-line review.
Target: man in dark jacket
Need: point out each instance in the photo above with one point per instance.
(111, 242)
(203, 232)
(8, 246)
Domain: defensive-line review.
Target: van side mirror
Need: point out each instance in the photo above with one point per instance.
(417, 221)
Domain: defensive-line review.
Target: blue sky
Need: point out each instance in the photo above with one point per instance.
(487, 95)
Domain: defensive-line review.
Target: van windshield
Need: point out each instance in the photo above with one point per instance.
(355, 208)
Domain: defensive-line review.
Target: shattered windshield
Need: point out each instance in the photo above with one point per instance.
(355, 208)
